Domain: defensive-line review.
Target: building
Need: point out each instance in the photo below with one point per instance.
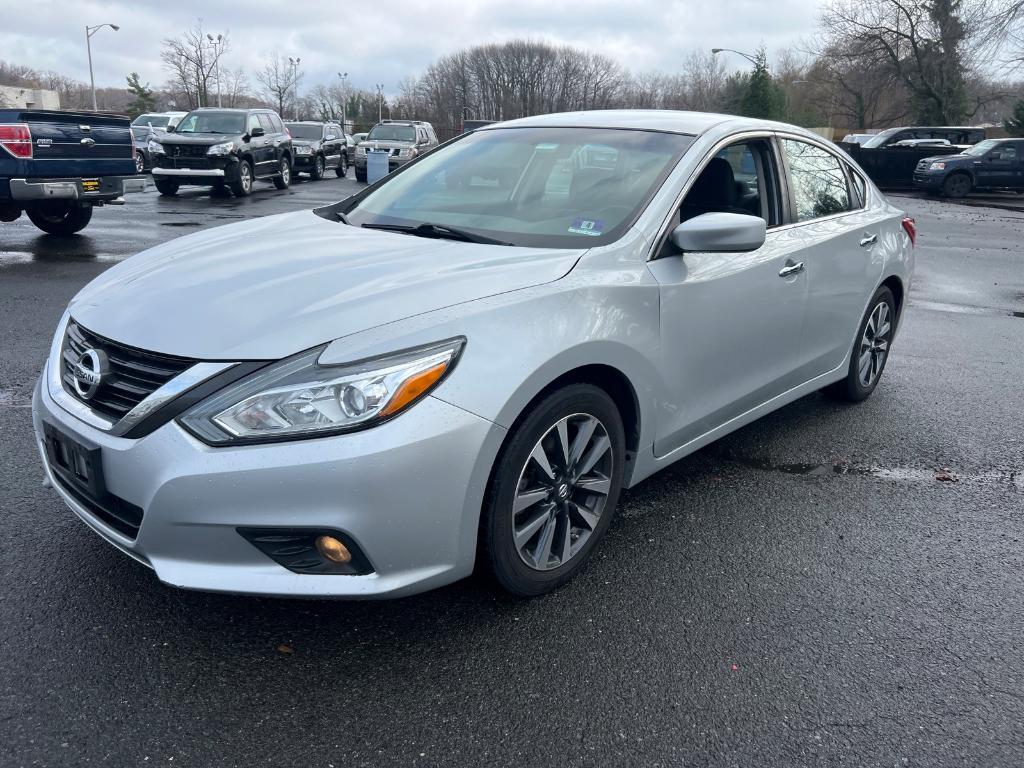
(28, 98)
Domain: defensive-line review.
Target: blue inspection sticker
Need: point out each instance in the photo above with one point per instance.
(592, 227)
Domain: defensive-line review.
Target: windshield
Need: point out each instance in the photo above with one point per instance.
(157, 121)
(879, 138)
(543, 187)
(981, 148)
(392, 133)
(303, 131)
(212, 122)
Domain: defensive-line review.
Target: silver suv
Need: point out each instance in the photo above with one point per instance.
(403, 139)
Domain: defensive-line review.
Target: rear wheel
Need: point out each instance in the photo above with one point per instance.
(140, 162)
(284, 175)
(553, 491)
(957, 185)
(342, 168)
(319, 167)
(60, 218)
(870, 350)
(243, 186)
(361, 175)
(166, 187)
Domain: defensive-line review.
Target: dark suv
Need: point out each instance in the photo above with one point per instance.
(223, 147)
(318, 148)
(403, 140)
(990, 164)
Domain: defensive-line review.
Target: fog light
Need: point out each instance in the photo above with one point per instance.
(332, 549)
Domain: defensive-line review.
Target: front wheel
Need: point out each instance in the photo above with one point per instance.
(166, 187)
(319, 167)
(957, 185)
(60, 218)
(553, 490)
(870, 350)
(342, 168)
(243, 186)
(140, 162)
(284, 176)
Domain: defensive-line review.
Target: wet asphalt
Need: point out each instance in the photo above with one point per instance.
(833, 585)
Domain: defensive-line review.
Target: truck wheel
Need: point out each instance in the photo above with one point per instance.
(166, 187)
(957, 185)
(243, 186)
(342, 168)
(319, 166)
(360, 175)
(60, 218)
(284, 177)
(140, 162)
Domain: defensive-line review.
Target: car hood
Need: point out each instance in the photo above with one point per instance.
(372, 144)
(306, 142)
(943, 158)
(268, 288)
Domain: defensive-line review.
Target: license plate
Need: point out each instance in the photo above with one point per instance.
(90, 185)
(76, 464)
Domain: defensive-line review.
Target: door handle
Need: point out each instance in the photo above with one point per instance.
(868, 239)
(791, 268)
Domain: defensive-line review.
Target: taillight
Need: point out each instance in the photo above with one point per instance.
(16, 138)
(910, 227)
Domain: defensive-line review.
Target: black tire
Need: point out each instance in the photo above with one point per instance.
(957, 185)
(60, 218)
(498, 550)
(166, 187)
(342, 169)
(283, 180)
(319, 168)
(140, 162)
(360, 175)
(242, 187)
(853, 388)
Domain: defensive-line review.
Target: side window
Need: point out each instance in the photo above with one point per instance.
(252, 122)
(817, 180)
(276, 122)
(265, 122)
(1007, 152)
(739, 179)
(860, 188)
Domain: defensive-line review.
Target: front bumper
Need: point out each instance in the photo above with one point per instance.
(928, 180)
(407, 492)
(393, 162)
(204, 170)
(107, 188)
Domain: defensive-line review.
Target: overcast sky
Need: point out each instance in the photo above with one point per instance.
(382, 42)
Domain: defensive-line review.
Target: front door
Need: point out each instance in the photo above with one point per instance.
(998, 168)
(731, 323)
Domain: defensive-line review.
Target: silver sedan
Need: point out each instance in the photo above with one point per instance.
(465, 363)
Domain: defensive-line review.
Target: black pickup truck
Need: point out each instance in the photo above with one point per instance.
(56, 166)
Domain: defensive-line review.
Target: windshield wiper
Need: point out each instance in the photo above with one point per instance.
(439, 231)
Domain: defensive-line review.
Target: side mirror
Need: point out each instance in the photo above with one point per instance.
(257, 132)
(720, 232)
(169, 129)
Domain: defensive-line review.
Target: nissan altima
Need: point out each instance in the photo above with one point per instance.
(462, 365)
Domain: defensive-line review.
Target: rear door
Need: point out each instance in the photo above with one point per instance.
(838, 233)
(77, 145)
(333, 139)
(266, 161)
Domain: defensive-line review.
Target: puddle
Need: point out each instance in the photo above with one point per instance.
(15, 257)
(11, 399)
(963, 309)
(180, 224)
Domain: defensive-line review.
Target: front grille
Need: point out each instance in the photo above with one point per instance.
(192, 163)
(186, 150)
(133, 373)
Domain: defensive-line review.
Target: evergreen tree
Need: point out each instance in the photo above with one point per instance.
(762, 96)
(143, 98)
(1015, 125)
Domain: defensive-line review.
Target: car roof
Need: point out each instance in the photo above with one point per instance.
(666, 120)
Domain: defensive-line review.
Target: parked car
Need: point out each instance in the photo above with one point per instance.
(148, 126)
(990, 164)
(359, 138)
(319, 147)
(921, 143)
(856, 138)
(57, 166)
(404, 140)
(953, 134)
(223, 148)
(366, 399)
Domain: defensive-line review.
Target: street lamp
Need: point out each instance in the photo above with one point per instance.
(89, 32)
(217, 42)
(294, 64)
(380, 102)
(746, 56)
(343, 76)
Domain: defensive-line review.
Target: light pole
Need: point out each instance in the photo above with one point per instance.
(746, 56)
(294, 64)
(343, 76)
(380, 102)
(89, 32)
(217, 42)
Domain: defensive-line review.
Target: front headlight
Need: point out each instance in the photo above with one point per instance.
(302, 150)
(937, 167)
(408, 152)
(224, 148)
(298, 398)
(155, 147)
(360, 150)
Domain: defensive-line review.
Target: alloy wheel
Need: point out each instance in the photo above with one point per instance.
(286, 172)
(140, 163)
(874, 344)
(562, 491)
(246, 177)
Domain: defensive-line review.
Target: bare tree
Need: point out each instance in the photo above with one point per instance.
(190, 62)
(280, 81)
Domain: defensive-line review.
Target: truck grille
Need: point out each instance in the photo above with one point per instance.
(133, 374)
(186, 150)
